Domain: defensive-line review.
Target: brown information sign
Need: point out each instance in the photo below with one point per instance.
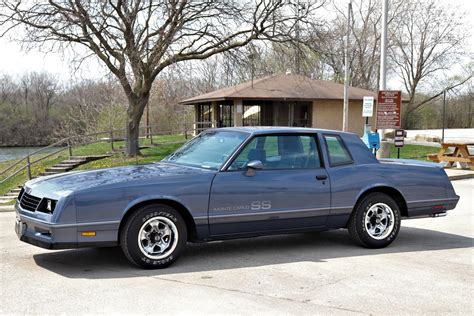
(388, 109)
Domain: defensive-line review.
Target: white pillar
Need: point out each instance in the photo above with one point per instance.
(345, 109)
(238, 112)
(384, 150)
(214, 114)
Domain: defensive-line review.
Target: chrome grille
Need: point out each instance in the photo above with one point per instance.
(29, 202)
(20, 194)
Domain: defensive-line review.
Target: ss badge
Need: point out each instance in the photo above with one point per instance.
(260, 205)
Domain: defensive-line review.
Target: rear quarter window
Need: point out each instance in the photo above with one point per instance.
(337, 151)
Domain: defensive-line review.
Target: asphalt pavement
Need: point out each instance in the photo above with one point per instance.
(429, 269)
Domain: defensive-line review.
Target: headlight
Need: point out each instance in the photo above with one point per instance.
(47, 205)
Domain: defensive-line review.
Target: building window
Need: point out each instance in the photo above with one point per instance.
(252, 115)
(226, 118)
(204, 116)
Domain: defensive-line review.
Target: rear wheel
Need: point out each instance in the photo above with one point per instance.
(375, 221)
(153, 236)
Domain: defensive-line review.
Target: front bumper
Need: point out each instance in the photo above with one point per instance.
(39, 232)
(43, 234)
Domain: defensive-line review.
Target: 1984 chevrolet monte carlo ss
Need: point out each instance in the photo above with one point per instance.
(230, 183)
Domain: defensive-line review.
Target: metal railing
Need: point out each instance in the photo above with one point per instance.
(114, 135)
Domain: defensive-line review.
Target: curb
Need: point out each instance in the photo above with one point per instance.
(461, 177)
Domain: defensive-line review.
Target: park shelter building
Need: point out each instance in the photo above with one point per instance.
(281, 100)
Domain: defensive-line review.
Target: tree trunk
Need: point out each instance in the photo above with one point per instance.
(134, 115)
(408, 116)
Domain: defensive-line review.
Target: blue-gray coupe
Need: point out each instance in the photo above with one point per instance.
(231, 183)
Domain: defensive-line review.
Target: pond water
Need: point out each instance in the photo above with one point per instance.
(9, 153)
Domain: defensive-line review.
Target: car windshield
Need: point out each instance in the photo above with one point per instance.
(208, 150)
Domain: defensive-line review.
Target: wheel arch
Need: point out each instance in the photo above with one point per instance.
(179, 207)
(390, 191)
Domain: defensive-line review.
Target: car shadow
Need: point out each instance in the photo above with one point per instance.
(101, 263)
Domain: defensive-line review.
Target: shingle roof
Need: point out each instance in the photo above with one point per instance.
(283, 87)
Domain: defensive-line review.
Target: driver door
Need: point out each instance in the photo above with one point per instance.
(291, 191)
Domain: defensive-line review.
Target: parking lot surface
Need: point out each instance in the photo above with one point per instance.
(429, 269)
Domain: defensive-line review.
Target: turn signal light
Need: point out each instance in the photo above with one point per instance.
(89, 234)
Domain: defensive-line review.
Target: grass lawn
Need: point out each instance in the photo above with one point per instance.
(36, 170)
(104, 147)
(148, 155)
(413, 151)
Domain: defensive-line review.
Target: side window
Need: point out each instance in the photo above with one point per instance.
(338, 154)
(242, 159)
(280, 152)
(271, 146)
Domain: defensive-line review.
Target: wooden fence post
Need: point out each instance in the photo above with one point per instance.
(151, 135)
(112, 139)
(185, 131)
(69, 147)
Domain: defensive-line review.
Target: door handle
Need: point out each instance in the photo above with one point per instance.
(321, 177)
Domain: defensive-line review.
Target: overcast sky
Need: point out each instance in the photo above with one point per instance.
(14, 60)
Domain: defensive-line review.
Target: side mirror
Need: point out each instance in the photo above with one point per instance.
(252, 166)
(255, 164)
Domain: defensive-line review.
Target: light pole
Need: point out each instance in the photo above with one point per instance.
(384, 150)
(444, 115)
(148, 129)
(345, 111)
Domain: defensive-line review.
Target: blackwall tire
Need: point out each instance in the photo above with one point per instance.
(375, 221)
(154, 236)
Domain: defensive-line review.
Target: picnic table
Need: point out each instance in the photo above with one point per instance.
(460, 154)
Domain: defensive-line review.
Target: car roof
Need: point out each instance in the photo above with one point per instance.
(277, 130)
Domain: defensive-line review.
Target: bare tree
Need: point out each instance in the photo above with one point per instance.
(92, 106)
(427, 39)
(7, 87)
(39, 91)
(26, 104)
(364, 54)
(137, 39)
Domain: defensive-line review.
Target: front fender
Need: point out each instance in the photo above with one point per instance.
(152, 197)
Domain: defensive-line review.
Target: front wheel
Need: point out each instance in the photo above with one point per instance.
(153, 236)
(375, 221)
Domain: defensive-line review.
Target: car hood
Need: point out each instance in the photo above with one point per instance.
(66, 183)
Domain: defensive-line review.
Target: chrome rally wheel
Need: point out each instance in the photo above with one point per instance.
(153, 236)
(375, 220)
(379, 221)
(158, 237)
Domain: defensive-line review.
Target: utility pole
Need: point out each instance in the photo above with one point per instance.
(383, 47)
(444, 116)
(384, 150)
(148, 129)
(298, 57)
(345, 112)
